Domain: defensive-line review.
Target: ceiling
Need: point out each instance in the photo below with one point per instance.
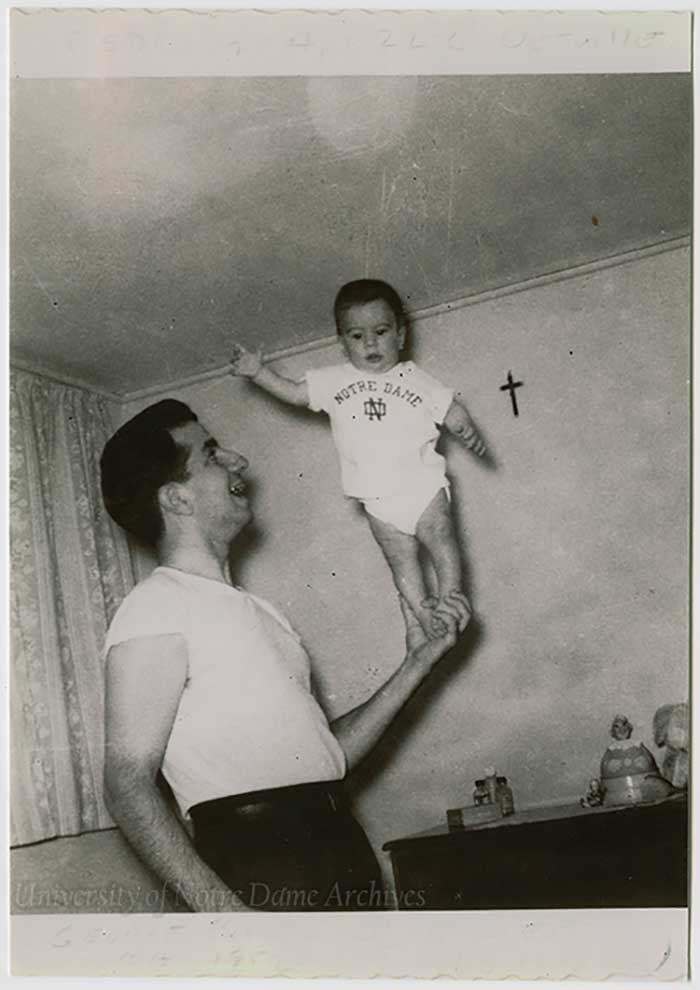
(151, 219)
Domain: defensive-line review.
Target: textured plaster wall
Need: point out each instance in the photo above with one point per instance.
(575, 540)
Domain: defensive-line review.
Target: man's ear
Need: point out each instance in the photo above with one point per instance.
(402, 335)
(174, 498)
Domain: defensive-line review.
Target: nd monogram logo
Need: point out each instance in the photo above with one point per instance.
(375, 408)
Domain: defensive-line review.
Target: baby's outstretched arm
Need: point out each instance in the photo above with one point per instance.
(458, 422)
(250, 365)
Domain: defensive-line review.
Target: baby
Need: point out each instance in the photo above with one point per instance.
(385, 416)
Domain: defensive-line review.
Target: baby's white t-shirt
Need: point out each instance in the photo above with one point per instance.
(385, 426)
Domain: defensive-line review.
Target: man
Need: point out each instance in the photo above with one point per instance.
(212, 685)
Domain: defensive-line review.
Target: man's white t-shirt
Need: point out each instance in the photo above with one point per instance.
(385, 426)
(247, 719)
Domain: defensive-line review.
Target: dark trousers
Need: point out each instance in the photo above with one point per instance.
(290, 849)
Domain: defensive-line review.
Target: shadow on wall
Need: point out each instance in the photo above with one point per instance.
(408, 721)
(429, 693)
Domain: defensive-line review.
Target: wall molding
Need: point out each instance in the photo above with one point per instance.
(319, 343)
(550, 278)
(614, 261)
(60, 379)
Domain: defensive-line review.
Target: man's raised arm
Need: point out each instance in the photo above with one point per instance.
(145, 678)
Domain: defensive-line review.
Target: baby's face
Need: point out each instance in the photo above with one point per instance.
(371, 336)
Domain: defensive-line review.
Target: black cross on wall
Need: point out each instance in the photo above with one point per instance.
(511, 386)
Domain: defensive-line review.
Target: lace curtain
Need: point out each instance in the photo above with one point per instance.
(70, 568)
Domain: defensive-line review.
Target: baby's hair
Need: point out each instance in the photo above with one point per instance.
(365, 290)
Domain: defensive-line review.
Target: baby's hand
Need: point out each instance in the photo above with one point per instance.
(473, 442)
(246, 364)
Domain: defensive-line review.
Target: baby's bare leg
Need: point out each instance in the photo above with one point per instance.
(401, 553)
(436, 533)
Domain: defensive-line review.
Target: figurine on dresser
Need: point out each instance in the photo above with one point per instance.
(628, 771)
(594, 796)
(671, 730)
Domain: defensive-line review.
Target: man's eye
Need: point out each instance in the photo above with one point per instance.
(381, 331)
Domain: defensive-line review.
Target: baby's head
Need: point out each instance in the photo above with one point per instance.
(371, 324)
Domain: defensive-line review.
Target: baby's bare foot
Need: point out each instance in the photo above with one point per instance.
(433, 624)
(442, 605)
(438, 626)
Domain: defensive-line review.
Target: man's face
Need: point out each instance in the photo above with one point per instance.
(371, 336)
(215, 482)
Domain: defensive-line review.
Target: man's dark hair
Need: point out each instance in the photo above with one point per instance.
(140, 458)
(365, 290)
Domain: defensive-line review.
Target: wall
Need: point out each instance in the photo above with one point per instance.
(575, 540)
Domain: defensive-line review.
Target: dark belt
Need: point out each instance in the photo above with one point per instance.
(327, 797)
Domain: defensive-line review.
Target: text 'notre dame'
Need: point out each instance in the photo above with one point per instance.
(400, 391)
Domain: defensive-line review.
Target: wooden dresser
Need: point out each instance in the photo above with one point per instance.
(557, 857)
